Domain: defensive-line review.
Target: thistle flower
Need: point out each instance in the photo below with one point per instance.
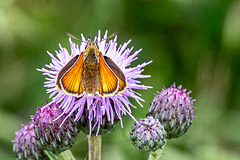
(25, 145)
(49, 134)
(174, 108)
(97, 107)
(148, 134)
(105, 128)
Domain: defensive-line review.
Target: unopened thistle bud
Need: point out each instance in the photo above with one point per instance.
(174, 108)
(25, 145)
(148, 134)
(50, 132)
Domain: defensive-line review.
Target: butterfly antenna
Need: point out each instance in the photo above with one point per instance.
(90, 37)
(70, 35)
(114, 34)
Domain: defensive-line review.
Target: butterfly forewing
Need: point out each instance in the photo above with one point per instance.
(120, 75)
(71, 81)
(64, 70)
(109, 81)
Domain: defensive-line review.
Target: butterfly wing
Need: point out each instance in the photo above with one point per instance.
(71, 80)
(64, 70)
(109, 81)
(118, 72)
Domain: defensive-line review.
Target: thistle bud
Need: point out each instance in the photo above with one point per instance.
(53, 130)
(25, 145)
(148, 134)
(174, 108)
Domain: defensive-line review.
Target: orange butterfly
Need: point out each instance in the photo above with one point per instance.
(91, 73)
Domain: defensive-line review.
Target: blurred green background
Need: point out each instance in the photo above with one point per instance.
(195, 43)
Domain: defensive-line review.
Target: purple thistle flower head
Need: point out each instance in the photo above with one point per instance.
(48, 132)
(105, 127)
(148, 134)
(25, 145)
(97, 108)
(174, 108)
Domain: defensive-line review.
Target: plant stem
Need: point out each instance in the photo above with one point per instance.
(157, 154)
(66, 155)
(94, 147)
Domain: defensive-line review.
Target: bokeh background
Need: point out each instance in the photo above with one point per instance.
(195, 43)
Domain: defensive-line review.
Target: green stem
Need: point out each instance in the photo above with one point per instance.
(66, 155)
(94, 147)
(157, 154)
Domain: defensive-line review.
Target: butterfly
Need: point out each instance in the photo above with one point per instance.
(91, 73)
